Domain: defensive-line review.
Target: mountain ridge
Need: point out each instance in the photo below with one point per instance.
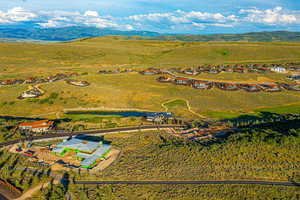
(15, 33)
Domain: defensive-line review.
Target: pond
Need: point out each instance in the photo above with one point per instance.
(124, 113)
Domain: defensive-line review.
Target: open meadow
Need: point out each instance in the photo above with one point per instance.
(132, 90)
(136, 91)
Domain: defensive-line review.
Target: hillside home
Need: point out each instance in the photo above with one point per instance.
(270, 87)
(278, 69)
(204, 85)
(191, 72)
(227, 86)
(249, 87)
(182, 81)
(32, 93)
(165, 79)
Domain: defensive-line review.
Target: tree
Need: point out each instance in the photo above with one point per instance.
(57, 192)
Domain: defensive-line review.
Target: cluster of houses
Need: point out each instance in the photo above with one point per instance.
(33, 92)
(228, 86)
(77, 83)
(240, 68)
(38, 80)
(116, 71)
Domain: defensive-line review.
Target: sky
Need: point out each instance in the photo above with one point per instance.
(164, 16)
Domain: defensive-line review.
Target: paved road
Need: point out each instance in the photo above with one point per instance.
(189, 183)
(96, 132)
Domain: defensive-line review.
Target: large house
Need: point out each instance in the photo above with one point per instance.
(32, 93)
(88, 151)
(36, 126)
(278, 69)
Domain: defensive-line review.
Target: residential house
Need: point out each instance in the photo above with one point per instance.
(165, 79)
(227, 86)
(32, 93)
(270, 87)
(278, 69)
(36, 126)
(249, 87)
(182, 81)
(204, 85)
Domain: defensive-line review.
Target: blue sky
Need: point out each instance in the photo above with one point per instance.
(165, 16)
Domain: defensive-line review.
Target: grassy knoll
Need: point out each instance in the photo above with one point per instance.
(177, 102)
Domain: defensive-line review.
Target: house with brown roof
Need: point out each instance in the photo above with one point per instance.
(40, 126)
(227, 86)
(164, 79)
(270, 87)
(249, 87)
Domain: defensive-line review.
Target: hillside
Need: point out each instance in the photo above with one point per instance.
(275, 36)
(88, 56)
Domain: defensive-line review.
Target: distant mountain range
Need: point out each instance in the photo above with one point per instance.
(65, 34)
(15, 33)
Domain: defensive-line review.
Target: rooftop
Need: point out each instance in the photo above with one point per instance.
(36, 124)
(79, 144)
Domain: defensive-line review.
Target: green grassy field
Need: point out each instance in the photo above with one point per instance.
(132, 90)
(136, 91)
(19, 59)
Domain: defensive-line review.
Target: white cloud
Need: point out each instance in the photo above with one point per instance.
(49, 24)
(151, 17)
(91, 13)
(49, 19)
(275, 16)
(16, 14)
(183, 20)
(176, 21)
